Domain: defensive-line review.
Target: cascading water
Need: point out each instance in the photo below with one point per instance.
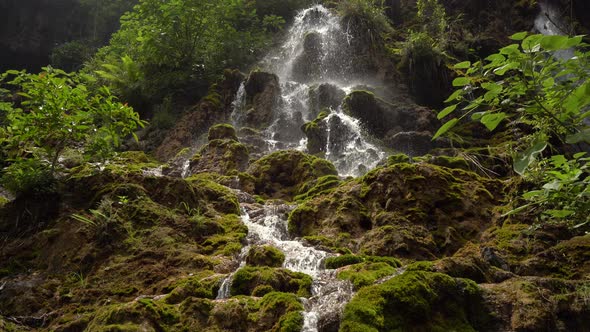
(268, 225)
(315, 52)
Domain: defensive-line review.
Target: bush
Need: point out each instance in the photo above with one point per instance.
(28, 177)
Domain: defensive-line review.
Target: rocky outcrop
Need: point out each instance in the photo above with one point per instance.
(283, 174)
(211, 109)
(307, 66)
(418, 211)
(401, 125)
(262, 97)
(224, 154)
(325, 96)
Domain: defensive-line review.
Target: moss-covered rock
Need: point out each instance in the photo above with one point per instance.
(283, 174)
(410, 210)
(325, 96)
(248, 278)
(317, 134)
(222, 131)
(349, 259)
(265, 256)
(365, 274)
(417, 301)
(221, 155)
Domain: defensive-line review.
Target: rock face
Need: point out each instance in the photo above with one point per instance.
(325, 96)
(213, 108)
(401, 125)
(263, 96)
(307, 66)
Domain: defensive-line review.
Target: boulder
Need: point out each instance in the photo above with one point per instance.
(265, 256)
(324, 96)
(224, 154)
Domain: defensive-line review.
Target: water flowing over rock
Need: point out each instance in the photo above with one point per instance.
(267, 226)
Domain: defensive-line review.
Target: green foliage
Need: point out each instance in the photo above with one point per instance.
(55, 110)
(180, 44)
(535, 84)
(368, 14)
(431, 14)
(28, 176)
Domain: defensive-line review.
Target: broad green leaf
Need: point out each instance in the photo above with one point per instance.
(531, 43)
(492, 120)
(444, 128)
(510, 49)
(519, 35)
(455, 95)
(448, 110)
(524, 159)
(462, 65)
(554, 43)
(553, 185)
(582, 136)
(461, 81)
(549, 82)
(509, 66)
(573, 41)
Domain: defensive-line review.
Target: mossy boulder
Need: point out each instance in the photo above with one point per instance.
(367, 273)
(283, 174)
(224, 154)
(421, 301)
(248, 279)
(262, 97)
(222, 131)
(316, 132)
(350, 259)
(265, 256)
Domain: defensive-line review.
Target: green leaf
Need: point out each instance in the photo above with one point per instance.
(448, 110)
(503, 69)
(510, 49)
(524, 159)
(477, 115)
(532, 194)
(492, 120)
(559, 213)
(444, 128)
(554, 43)
(519, 35)
(461, 81)
(491, 86)
(462, 65)
(531, 43)
(582, 136)
(455, 95)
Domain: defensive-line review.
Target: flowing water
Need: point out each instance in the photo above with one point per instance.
(267, 225)
(347, 147)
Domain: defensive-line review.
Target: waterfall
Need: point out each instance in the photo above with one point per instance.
(267, 225)
(315, 51)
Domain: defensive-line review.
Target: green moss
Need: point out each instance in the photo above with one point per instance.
(220, 197)
(265, 256)
(365, 274)
(222, 131)
(398, 158)
(203, 285)
(416, 301)
(249, 278)
(301, 220)
(318, 187)
(421, 266)
(285, 306)
(342, 260)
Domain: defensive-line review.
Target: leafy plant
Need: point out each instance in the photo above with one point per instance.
(539, 84)
(55, 110)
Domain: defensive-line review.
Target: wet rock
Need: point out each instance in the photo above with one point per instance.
(317, 135)
(324, 96)
(213, 108)
(262, 97)
(401, 125)
(307, 66)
